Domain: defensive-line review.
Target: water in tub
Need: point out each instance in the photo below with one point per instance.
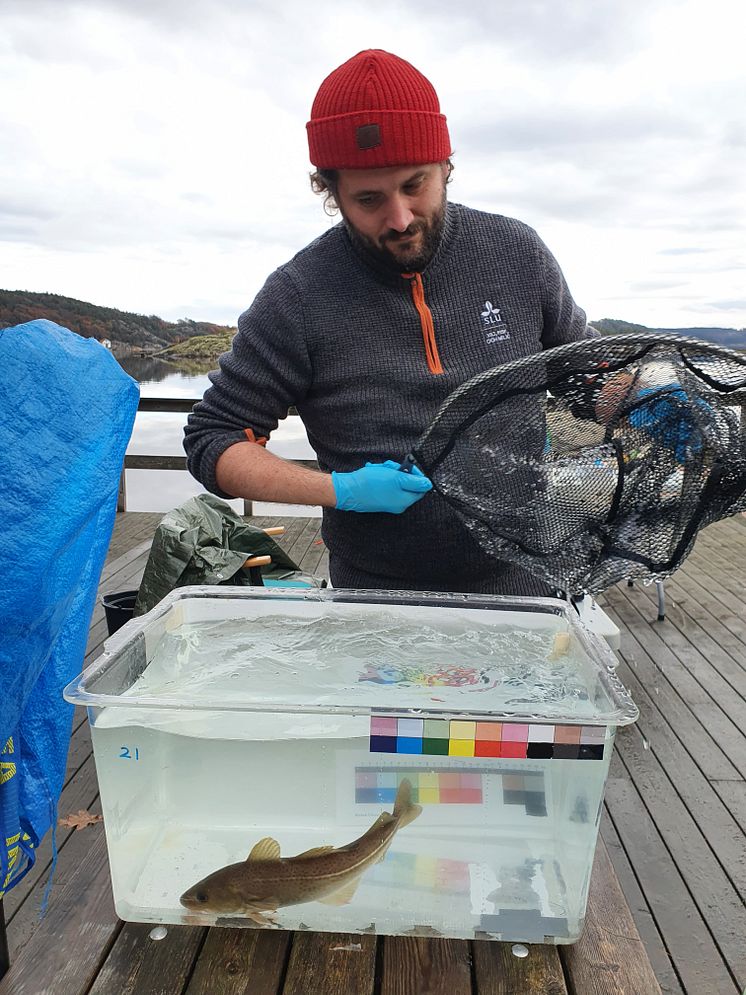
(500, 824)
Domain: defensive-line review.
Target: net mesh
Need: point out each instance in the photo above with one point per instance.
(595, 461)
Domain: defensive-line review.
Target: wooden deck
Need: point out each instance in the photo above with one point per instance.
(674, 827)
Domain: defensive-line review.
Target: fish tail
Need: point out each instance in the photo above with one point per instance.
(405, 811)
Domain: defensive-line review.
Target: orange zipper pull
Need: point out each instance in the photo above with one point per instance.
(426, 320)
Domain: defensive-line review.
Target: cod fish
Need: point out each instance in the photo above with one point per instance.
(265, 881)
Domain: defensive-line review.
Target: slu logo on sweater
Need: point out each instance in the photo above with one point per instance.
(495, 329)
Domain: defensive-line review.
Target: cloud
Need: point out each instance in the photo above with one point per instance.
(570, 130)
(13, 206)
(537, 29)
(642, 286)
(684, 250)
(738, 304)
(154, 151)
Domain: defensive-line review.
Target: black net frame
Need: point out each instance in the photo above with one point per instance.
(595, 461)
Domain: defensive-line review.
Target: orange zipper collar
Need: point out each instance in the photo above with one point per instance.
(426, 320)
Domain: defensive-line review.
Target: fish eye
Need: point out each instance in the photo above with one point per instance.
(200, 896)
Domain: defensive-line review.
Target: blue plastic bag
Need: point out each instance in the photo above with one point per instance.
(66, 416)
(668, 416)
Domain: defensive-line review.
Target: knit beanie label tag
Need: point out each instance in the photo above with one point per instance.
(368, 136)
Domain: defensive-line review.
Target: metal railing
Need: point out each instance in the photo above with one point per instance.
(171, 405)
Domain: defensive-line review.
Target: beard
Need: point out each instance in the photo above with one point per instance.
(394, 252)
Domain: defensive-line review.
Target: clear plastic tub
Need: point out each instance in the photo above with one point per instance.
(482, 726)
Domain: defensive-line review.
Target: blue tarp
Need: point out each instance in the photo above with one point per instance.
(66, 416)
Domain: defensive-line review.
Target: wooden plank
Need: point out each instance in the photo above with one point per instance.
(698, 962)
(326, 963)
(313, 561)
(721, 551)
(418, 965)
(113, 566)
(696, 622)
(173, 404)
(4, 952)
(25, 921)
(293, 529)
(80, 747)
(304, 541)
(695, 647)
(322, 570)
(707, 711)
(609, 958)
(71, 941)
(715, 893)
(727, 592)
(733, 794)
(241, 962)
(643, 918)
(724, 835)
(722, 565)
(140, 462)
(80, 792)
(667, 646)
(129, 565)
(638, 670)
(702, 590)
(122, 492)
(139, 965)
(499, 972)
(131, 527)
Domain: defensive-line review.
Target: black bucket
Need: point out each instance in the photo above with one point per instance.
(119, 608)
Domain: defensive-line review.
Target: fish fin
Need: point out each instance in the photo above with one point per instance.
(317, 851)
(266, 920)
(265, 849)
(405, 811)
(383, 820)
(344, 895)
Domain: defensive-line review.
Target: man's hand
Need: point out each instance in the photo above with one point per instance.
(379, 487)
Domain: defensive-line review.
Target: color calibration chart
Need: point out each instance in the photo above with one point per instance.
(409, 870)
(429, 787)
(524, 789)
(465, 738)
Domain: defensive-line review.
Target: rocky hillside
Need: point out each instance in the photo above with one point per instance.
(127, 332)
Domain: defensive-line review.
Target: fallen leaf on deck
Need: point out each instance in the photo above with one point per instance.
(80, 819)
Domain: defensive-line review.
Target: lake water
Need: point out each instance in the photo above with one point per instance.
(161, 434)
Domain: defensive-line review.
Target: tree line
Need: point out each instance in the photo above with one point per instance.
(121, 328)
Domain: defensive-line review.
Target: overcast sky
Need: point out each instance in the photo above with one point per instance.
(153, 153)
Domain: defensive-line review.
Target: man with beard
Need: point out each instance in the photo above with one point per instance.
(369, 328)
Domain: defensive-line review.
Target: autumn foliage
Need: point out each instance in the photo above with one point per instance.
(125, 331)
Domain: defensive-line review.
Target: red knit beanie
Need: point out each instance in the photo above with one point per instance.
(376, 110)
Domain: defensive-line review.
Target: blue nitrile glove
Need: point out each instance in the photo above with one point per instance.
(379, 487)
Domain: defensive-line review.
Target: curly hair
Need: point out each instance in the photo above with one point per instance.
(325, 182)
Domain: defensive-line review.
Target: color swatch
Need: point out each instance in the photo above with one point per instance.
(429, 787)
(464, 738)
(408, 870)
(526, 790)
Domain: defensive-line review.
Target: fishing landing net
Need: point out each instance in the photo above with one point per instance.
(595, 461)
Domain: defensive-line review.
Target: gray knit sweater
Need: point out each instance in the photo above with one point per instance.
(341, 339)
